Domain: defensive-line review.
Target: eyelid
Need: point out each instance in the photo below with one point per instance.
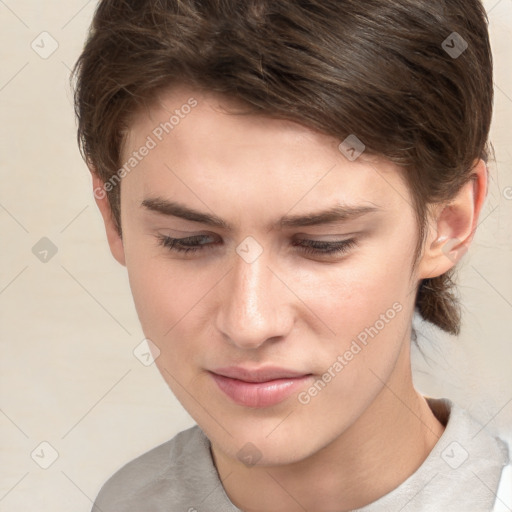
(319, 238)
(338, 237)
(177, 233)
(318, 248)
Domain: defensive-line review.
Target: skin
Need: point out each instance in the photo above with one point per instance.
(368, 429)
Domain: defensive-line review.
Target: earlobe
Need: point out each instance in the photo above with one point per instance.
(452, 228)
(114, 238)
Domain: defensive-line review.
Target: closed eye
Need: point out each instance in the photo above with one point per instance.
(197, 243)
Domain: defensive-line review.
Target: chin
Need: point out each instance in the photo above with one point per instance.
(260, 443)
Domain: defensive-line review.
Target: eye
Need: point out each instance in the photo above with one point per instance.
(326, 248)
(198, 243)
(184, 245)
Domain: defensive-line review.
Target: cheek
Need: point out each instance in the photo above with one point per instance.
(166, 302)
(162, 294)
(368, 307)
(352, 295)
(347, 296)
(172, 301)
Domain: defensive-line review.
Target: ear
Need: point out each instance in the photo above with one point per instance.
(113, 236)
(453, 225)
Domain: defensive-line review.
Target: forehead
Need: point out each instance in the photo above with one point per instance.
(188, 117)
(202, 147)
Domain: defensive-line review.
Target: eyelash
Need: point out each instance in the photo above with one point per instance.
(315, 247)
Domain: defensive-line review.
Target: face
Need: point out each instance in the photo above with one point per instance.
(270, 328)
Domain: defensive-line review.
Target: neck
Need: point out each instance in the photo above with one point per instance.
(378, 452)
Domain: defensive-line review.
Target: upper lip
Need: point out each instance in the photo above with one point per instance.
(262, 374)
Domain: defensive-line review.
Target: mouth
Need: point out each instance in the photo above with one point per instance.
(262, 387)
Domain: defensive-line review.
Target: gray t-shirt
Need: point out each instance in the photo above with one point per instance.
(461, 473)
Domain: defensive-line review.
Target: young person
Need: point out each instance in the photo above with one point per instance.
(286, 184)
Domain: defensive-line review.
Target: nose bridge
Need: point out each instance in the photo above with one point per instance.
(250, 310)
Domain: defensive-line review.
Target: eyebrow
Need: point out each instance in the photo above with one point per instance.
(337, 213)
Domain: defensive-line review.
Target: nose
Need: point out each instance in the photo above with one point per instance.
(255, 306)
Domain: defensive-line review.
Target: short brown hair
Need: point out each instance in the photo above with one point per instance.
(379, 69)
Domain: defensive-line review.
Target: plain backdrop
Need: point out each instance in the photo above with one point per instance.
(68, 327)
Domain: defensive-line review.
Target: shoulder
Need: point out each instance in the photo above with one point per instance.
(160, 476)
(476, 459)
(503, 501)
(491, 449)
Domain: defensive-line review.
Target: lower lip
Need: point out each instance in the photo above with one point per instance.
(259, 394)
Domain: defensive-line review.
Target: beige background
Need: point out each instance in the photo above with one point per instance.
(68, 327)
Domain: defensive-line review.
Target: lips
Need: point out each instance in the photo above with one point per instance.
(261, 387)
